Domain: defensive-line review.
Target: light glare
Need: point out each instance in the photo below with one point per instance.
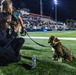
(55, 1)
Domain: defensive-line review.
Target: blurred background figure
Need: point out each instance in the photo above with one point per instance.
(1, 6)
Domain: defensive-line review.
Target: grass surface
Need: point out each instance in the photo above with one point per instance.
(45, 66)
(55, 33)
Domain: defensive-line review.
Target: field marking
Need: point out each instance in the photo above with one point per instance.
(61, 38)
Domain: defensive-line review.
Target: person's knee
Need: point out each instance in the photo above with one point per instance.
(22, 40)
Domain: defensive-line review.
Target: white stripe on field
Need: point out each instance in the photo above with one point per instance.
(62, 38)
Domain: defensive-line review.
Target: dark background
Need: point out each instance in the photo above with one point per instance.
(66, 9)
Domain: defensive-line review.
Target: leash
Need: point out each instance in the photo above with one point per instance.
(35, 41)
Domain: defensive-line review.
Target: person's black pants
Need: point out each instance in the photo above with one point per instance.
(17, 44)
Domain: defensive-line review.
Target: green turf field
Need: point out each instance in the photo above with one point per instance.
(45, 66)
(55, 33)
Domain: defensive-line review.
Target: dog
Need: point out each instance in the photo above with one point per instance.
(60, 52)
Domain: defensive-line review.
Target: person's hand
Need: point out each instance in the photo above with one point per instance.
(23, 31)
(16, 28)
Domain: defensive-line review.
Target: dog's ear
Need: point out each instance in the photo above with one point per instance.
(56, 40)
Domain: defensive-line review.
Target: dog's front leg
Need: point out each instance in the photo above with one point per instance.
(60, 59)
(53, 50)
(54, 56)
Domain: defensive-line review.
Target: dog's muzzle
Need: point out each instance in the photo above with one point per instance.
(49, 42)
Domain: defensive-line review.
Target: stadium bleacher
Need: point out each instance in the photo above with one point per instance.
(36, 22)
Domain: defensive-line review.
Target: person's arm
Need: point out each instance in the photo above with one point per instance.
(21, 21)
(6, 38)
(16, 17)
(22, 24)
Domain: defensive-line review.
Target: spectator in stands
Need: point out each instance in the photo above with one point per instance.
(1, 1)
(9, 45)
(8, 8)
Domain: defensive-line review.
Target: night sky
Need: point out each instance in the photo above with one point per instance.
(66, 9)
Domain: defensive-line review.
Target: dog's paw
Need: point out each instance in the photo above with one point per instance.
(53, 49)
(52, 58)
(60, 60)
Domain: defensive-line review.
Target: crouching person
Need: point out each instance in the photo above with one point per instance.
(10, 45)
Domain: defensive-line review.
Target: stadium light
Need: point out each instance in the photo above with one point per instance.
(41, 8)
(55, 1)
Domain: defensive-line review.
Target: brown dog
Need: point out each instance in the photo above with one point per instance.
(60, 51)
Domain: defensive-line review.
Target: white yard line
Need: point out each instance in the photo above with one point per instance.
(62, 38)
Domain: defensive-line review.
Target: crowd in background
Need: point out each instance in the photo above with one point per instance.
(39, 23)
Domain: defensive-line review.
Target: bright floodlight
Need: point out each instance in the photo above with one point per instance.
(55, 1)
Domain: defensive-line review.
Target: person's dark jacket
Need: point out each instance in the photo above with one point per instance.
(7, 53)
